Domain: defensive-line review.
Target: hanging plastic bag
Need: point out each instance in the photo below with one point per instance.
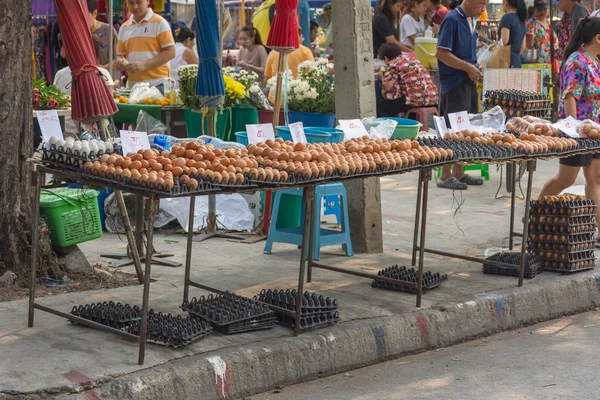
(484, 56)
(589, 129)
(143, 93)
(147, 123)
(494, 119)
(380, 128)
(258, 98)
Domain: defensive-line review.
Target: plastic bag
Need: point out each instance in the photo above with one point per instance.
(491, 121)
(147, 123)
(589, 129)
(258, 98)
(380, 128)
(484, 56)
(142, 91)
(531, 125)
(217, 143)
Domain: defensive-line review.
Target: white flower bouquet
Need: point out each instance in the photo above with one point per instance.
(188, 76)
(313, 90)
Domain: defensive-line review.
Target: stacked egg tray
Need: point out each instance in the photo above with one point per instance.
(111, 314)
(171, 330)
(317, 310)
(229, 313)
(67, 158)
(402, 274)
(470, 151)
(534, 265)
(562, 234)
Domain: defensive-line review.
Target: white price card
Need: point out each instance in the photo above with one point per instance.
(49, 125)
(459, 121)
(568, 126)
(440, 126)
(260, 133)
(133, 141)
(297, 132)
(353, 128)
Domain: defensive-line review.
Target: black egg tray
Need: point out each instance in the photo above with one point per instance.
(568, 248)
(561, 256)
(563, 229)
(587, 143)
(566, 268)
(67, 159)
(309, 321)
(171, 330)
(563, 220)
(402, 274)
(534, 265)
(311, 302)
(230, 313)
(570, 208)
(114, 315)
(470, 151)
(535, 237)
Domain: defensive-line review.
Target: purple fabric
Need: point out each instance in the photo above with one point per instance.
(43, 7)
(49, 77)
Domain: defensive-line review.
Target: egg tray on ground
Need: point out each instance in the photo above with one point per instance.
(402, 274)
(554, 238)
(114, 315)
(569, 208)
(566, 248)
(67, 159)
(566, 267)
(564, 220)
(564, 257)
(229, 313)
(534, 265)
(569, 229)
(171, 330)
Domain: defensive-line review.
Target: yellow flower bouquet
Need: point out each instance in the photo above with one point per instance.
(235, 92)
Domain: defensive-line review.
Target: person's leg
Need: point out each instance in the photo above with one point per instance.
(592, 184)
(470, 92)
(391, 108)
(566, 176)
(447, 106)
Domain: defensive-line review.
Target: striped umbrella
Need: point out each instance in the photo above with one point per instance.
(209, 87)
(91, 100)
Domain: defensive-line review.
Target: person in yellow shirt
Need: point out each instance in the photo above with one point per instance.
(295, 58)
(261, 20)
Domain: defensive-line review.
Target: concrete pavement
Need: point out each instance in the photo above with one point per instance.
(57, 357)
(552, 360)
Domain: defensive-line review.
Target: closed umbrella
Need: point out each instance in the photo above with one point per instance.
(210, 87)
(91, 100)
(283, 38)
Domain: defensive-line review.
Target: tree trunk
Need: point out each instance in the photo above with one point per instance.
(16, 138)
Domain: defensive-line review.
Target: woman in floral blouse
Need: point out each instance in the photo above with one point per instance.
(580, 99)
(405, 83)
(538, 32)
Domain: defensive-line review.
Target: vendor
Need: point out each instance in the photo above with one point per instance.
(383, 25)
(295, 58)
(145, 46)
(412, 25)
(538, 32)
(580, 99)
(458, 75)
(184, 51)
(253, 55)
(405, 83)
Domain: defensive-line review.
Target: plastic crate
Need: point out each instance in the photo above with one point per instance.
(337, 135)
(242, 138)
(72, 215)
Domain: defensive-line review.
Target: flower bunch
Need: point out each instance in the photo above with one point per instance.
(313, 89)
(48, 96)
(246, 78)
(188, 76)
(235, 92)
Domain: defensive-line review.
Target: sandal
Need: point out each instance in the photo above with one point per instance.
(471, 181)
(452, 183)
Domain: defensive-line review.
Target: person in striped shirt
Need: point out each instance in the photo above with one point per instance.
(145, 46)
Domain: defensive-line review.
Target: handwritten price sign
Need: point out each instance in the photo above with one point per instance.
(459, 121)
(353, 128)
(133, 141)
(49, 124)
(568, 126)
(297, 132)
(260, 133)
(440, 126)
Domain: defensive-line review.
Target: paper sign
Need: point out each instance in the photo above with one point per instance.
(297, 131)
(440, 126)
(459, 121)
(353, 128)
(260, 133)
(49, 125)
(568, 126)
(133, 141)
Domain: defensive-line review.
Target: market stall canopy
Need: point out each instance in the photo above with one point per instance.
(210, 86)
(91, 100)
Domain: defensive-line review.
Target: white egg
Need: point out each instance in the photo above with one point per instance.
(101, 147)
(85, 148)
(53, 140)
(60, 143)
(70, 139)
(76, 147)
(68, 145)
(93, 147)
(109, 147)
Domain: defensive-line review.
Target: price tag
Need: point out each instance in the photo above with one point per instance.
(440, 126)
(459, 121)
(133, 141)
(568, 126)
(353, 128)
(49, 125)
(260, 133)
(297, 131)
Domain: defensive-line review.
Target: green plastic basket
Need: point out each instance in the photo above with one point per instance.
(72, 215)
(406, 128)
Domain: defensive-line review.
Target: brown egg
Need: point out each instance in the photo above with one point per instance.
(179, 162)
(192, 145)
(135, 165)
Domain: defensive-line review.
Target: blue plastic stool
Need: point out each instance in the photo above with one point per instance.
(332, 207)
(322, 237)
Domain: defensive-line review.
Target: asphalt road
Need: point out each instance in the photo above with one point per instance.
(559, 359)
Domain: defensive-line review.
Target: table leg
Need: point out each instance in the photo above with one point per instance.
(426, 176)
(144, 324)
(530, 169)
(130, 239)
(513, 195)
(139, 224)
(311, 241)
(417, 217)
(309, 195)
(37, 182)
(188, 254)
